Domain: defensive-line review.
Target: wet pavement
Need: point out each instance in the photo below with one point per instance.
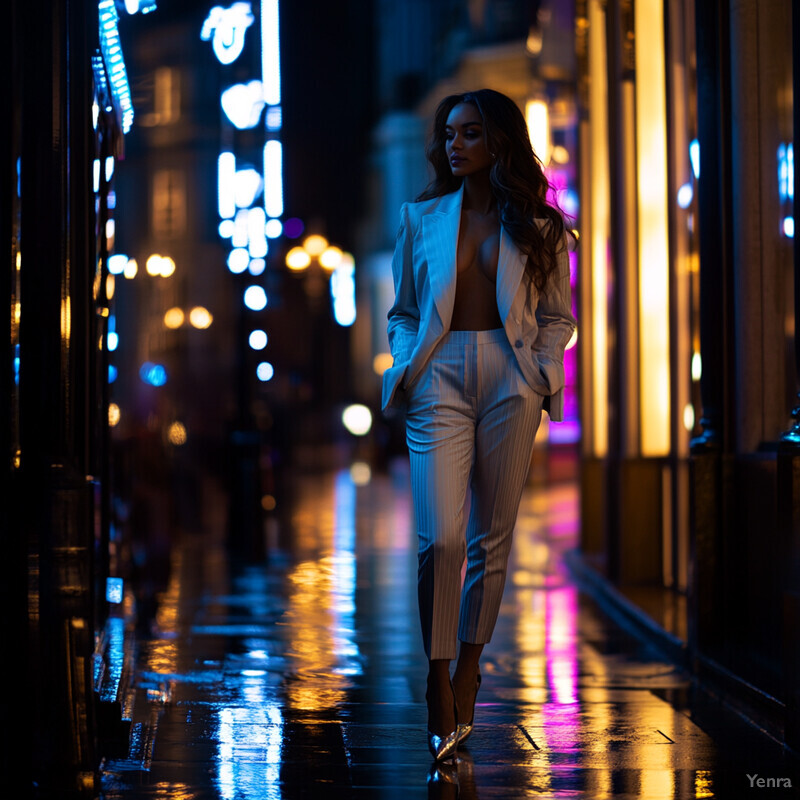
(303, 676)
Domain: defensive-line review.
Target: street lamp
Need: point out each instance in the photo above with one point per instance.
(333, 263)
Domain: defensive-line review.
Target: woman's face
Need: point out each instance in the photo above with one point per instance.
(464, 142)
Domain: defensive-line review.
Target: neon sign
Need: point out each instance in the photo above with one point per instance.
(225, 28)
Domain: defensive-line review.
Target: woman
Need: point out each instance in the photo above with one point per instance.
(478, 329)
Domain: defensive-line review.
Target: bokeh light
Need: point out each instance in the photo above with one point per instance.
(315, 244)
(200, 318)
(258, 339)
(357, 418)
(173, 318)
(255, 298)
(176, 434)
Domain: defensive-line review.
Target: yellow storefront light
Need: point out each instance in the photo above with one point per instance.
(538, 118)
(114, 414)
(596, 140)
(297, 259)
(315, 244)
(200, 317)
(653, 229)
(131, 268)
(110, 286)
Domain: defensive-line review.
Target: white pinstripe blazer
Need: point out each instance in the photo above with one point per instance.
(538, 326)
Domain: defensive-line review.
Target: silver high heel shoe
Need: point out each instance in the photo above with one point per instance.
(444, 747)
(465, 728)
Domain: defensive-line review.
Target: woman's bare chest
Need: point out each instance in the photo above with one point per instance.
(478, 247)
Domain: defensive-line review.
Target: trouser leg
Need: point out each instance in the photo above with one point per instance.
(440, 431)
(506, 429)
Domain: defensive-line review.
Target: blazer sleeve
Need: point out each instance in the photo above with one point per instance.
(404, 315)
(556, 326)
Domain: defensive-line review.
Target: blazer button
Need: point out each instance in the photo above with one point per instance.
(518, 343)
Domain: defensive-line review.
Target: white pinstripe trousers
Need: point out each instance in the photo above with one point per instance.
(470, 427)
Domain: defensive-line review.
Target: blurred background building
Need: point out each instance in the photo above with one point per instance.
(202, 206)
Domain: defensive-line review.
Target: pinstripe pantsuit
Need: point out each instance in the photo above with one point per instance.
(470, 427)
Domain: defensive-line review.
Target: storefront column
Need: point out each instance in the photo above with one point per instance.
(714, 222)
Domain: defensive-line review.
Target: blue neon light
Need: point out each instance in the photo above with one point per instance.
(226, 28)
(114, 590)
(153, 374)
(114, 63)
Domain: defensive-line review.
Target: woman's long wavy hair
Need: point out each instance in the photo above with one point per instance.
(517, 178)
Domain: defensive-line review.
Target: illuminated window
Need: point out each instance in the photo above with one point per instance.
(169, 203)
(166, 96)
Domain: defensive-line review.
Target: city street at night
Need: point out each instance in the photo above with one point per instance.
(302, 298)
(303, 676)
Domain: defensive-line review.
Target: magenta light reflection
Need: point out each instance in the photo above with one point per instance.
(560, 645)
(561, 713)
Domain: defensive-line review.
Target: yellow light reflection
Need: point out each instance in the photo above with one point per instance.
(704, 784)
(651, 155)
(110, 286)
(309, 614)
(114, 414)
(66, 318)
(320, 612)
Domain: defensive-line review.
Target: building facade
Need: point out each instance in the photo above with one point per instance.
(68, 109)
(689, 371)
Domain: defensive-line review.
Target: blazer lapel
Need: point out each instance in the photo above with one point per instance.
(510, 268)
(440, 234)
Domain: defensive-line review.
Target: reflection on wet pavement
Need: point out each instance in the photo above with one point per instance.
(304, 677)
